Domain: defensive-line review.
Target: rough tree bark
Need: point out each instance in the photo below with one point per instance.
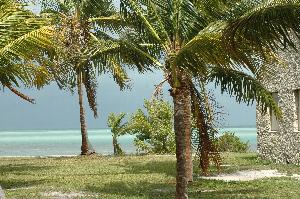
(182, 127)
(115, 143)
(188, 146)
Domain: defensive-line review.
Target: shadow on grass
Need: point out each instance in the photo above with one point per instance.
(237, 193)
(21, 168)
(15, 184)
(139, 189)
(165, 167)
(202, 188)
(166, 191)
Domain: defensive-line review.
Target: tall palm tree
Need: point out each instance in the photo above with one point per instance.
(85, 47)
(73, 52)
(190, 37)
(21, 32)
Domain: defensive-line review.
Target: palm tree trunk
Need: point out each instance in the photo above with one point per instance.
(188, 146)
(182, 127)
(84, 137)
(115, 145)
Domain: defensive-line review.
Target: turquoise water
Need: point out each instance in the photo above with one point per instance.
(67, 142)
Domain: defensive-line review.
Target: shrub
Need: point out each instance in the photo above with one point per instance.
(229, 142)
(154, 128)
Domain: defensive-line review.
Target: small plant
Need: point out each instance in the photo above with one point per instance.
(117, 129)
(229, 142)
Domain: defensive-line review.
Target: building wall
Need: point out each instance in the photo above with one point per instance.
(282, 146)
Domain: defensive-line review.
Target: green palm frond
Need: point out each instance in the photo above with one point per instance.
(115, 123)
(16, 21)
(28, 44)
(271, 25)
(135, 14)
(22, 35)
(123, 51)
(206, 47)
(187, 20)
(118, 72)
(245, 88)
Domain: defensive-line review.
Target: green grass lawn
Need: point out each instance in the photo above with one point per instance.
(136, 177)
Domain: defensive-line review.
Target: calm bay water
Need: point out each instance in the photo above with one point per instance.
(67, 142)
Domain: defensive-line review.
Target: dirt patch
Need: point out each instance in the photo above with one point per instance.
(2, 196)
(60, 195)
(296, 176)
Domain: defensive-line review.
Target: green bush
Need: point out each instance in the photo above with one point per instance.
(229, 142)
(153, 128)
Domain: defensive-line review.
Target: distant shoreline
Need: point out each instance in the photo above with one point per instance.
(39, 156)
(94, 129)
(66, 143)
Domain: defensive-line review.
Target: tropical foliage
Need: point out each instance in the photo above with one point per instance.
(153, 128)
(21, 32)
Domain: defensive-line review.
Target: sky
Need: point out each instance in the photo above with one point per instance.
(57, 109)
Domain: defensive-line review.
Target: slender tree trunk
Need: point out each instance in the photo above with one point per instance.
(84, 137)
(182, 127)
(115, 145)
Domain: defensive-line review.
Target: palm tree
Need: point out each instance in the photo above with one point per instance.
(190, 37)
(114, 121)
(73, 37)
(85, 47)
(21, 32)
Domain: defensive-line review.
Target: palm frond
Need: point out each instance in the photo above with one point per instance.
(22, 35)
(272, 24)
(205, 49)
(244, 87)
(26, 45)
(133, 11)
(187, 20)
(21, 95)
